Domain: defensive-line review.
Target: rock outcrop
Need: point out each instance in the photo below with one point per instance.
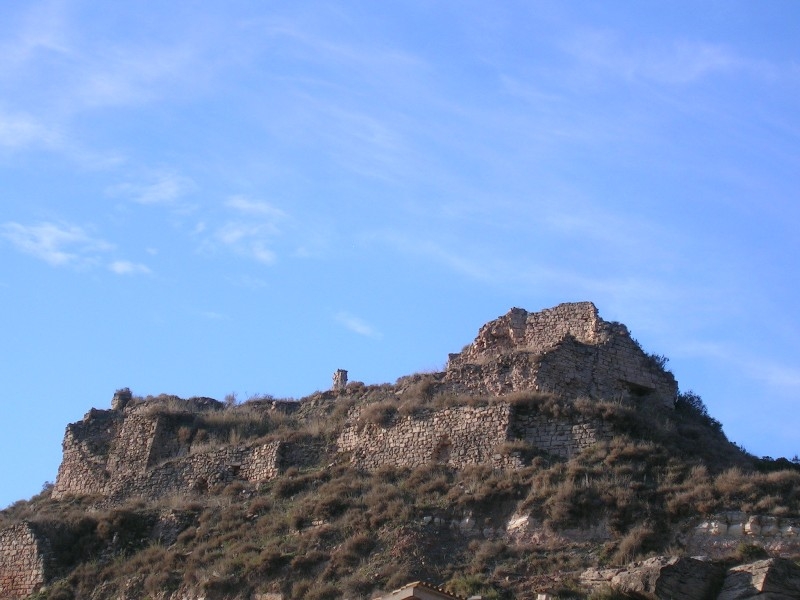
(663, 578)
(660, 578)
(770, 579)
(719, 535)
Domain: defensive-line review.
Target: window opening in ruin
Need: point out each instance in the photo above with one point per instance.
(638, 390)
(441, 452)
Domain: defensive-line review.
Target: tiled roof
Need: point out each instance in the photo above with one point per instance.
(421, 589)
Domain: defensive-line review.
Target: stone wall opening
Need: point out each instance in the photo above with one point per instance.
(441, 452)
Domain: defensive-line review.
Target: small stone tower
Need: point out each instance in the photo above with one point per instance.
(339, 380)
(121, 399)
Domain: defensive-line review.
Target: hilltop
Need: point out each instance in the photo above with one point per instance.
(550, 454)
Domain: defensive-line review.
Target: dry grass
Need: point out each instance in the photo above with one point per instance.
(328, 526)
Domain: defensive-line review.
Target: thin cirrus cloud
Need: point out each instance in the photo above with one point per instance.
(672, 62)
(166, 189)
(125, 267)
(773, 373)
(254, 207)
(357, 325)
(66, 245)
(251, 232)
(56, 244)
(20, 130)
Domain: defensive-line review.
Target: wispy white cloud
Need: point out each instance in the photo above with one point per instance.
(56, 244)
(92, 71)
(767, 370)
(23, 130)
(357, 325)
(165, 188)
(125, 267)
(375, 58)
(252, 237)
(248, 239)
(678, 61)
(131, 76)
(248, 282)
(436, 252)
(258, 208)
(41, 28)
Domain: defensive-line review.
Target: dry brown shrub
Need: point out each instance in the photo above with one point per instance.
(632, 544)
(354, 549)
(733, 483)
(377, 413)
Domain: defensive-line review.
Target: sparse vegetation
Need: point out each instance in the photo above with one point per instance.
(328, 529)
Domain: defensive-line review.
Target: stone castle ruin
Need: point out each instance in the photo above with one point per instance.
(140, 449)
(146, 451)
(25, 560)
(150, 448)
(567, 350)
(339, 380)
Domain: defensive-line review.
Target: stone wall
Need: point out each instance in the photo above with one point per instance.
(461, 436)
(560, 437)
(24, 561)
(568, 350)
(202, 471)
(86, 448)
(535, 332)
(454, 436)
(139, 451)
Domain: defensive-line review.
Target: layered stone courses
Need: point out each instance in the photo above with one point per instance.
(25, 559)
(568, 350)
(464, 435)
(135, 452)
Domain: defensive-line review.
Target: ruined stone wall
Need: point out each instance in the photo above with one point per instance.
(108, 447)
(130, 453)
(24, 561)
(138, 452)
(457, 437)
(202, 471)
(567, 350)
(461, 436)
(616, 368)
(557, 436)
(534, 332)
(86, 446)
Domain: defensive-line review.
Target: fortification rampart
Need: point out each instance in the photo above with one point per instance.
(86, 447)
(150, 449)
(535, 332)
(454, 436)
(461, 436)
(568, 350)
(25, 559)
(144, 451)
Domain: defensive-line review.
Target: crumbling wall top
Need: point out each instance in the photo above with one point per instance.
(535, 332)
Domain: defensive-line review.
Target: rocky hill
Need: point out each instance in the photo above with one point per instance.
(553, 457)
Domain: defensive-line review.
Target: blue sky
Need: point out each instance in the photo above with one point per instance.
(209, 198)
